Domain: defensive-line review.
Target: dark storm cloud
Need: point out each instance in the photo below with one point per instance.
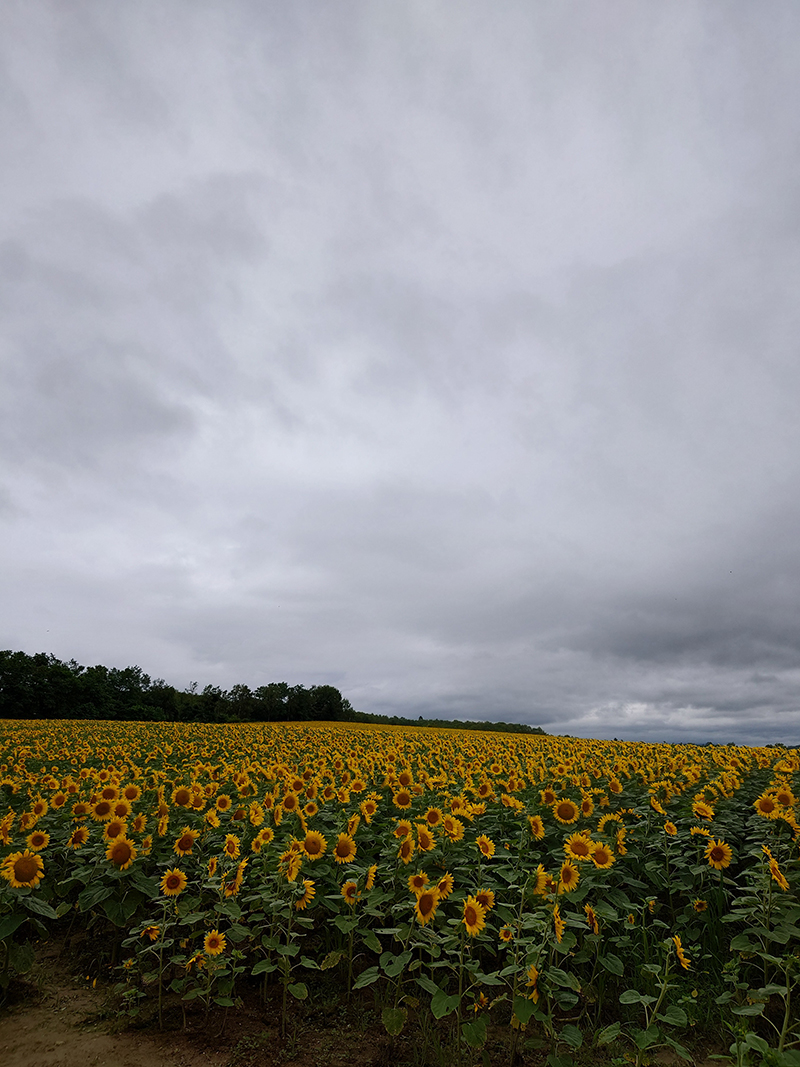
(444, 355)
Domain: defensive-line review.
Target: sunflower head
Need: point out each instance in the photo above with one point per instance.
(474, 916)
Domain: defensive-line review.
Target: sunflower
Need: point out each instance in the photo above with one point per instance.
(591, 918)
(602, 856)
(402, 799)
(344, 850)
(121, 809)
(417, 882)
(101, 811)
(23, 869)
(506, 934)
(81, 809)
(153, 932)
(182, 796)
(548, 797)
(78, 837)
(568, 877)
(765, 805)
(402, 829)
(121, 853)
(486, 846)
(433, 816)
(444, 887)
(533, 977)
(214, 943)
(131, 792)
(223, 802)
(426, 904)
(699, 905)
(718, 854)
(37, 840)
(683, 959)
(212, 866)
(350, 893)
(406, 850)
(474, 916)
(173, 883)
(566, 811)
(314, 844)
(537, 826)
(425, 839)
(670, 828)
(371, 872)
(185, 843)
(783, 795)
(587, 806)
(368, 808)
(579, 846)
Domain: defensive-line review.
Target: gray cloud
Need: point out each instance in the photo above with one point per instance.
(446, 357)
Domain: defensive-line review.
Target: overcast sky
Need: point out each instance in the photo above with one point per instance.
(444, 352)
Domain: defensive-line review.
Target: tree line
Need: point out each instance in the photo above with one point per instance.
(43, 687)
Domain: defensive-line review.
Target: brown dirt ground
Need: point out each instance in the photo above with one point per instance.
(58, 1017)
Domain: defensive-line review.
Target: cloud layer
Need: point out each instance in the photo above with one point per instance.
(443, 355)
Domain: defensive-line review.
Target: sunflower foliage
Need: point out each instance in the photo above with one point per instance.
(560, 892)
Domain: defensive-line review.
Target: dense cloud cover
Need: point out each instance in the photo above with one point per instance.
(445, 353)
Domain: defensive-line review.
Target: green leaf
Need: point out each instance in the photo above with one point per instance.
(612, 963)
(748, 1009)
(345, 924)
(9, 923)
(299, 990)
(566, 981)
(609, 1034)
(758, 1043)
(372, 974)
(742, 943)
(309, 964)
(442, 1004)
(474, 1032)
(93, 895)
(264, 967)
(427, 984)
(394, 968)
(371, 941)
(571, 1036)
(523, 1009)
(394, 1019)
(647, 1038)
(673, 1016)
(39, 907)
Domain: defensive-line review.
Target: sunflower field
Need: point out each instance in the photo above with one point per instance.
(569, 894)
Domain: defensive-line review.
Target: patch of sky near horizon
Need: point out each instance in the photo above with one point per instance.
(442, 354)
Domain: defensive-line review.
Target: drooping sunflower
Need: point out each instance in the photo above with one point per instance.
(566, 811)
(344, 851)
(537, 826)
(558, 923)
(426, 904)
(719, 854)
(78, 837)
(23, 869)
(591, 918)
(309, 892)
(214, 943)
(371, 872)
(485, 897)
(602, 856)
(474, 917)
(417, 882)
(350, 893)
(231, 846)
(173, 882)
(406, 850)
(486, 846)
(777, 874)
(702, 810)
(121, 853)
(533, 978)
(426, 841)
(314, 844)
(444, 887)
(185, 843)
(683, 959)
(568, 877)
